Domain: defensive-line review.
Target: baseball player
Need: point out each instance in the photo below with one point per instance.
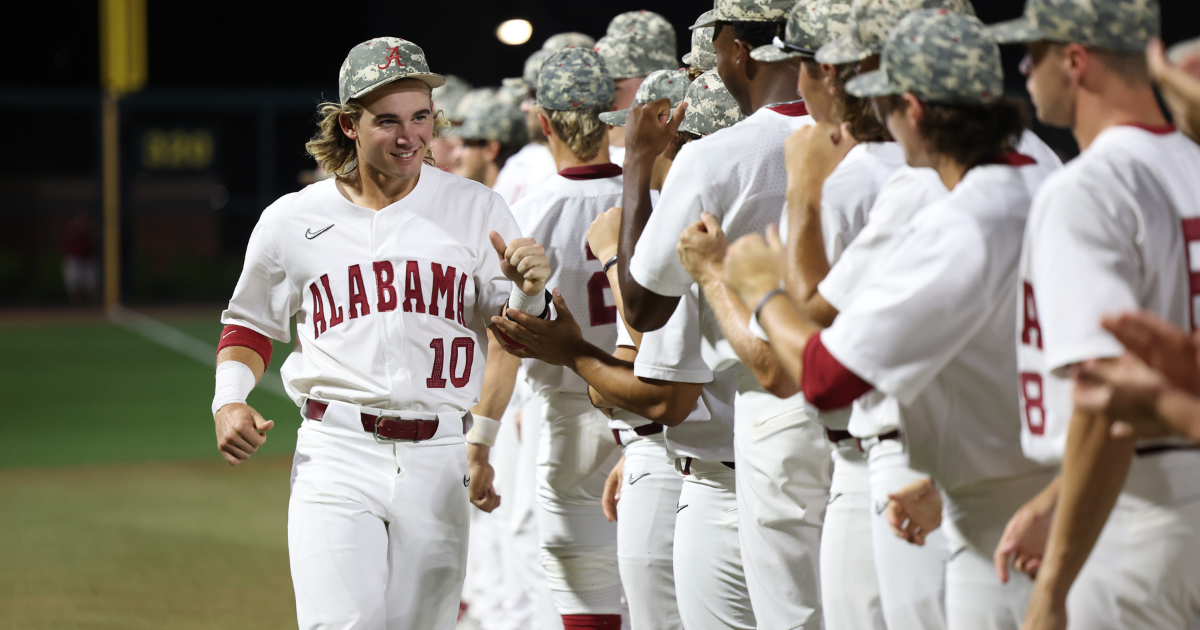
(784, 461)
(630, 57)
(702, 57)
(671, 85)
(929, 329)
(489, 138)
(385, 376)
(577, 450)
(1111, 232)
(849, 587)
(664, 385)
(446, 98)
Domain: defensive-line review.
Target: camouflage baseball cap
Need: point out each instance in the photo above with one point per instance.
(472, 103)
(748, 11)
(635, 54)
(703, 55)
(501, 122)
(380, 61)
(574, 78)
(513, 91)
(1121, 25)
(810, 25)
(555, 43)
(533, 64)
(872, 20)
(939, 56)
(668, 84)
(711, 107)
(450, 93)
(645, 21)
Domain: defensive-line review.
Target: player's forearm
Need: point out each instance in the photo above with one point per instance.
(245, 356)
(614, 283)
(789, 332)
(734, 318)
(1181, 410)
(613, 378)
(644, 309)
(1094, 468)
(499, 379)
(807, 262)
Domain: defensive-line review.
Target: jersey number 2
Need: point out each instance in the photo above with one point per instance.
(435, 380)
(601, 313)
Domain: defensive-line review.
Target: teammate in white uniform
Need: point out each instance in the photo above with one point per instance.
(386, 375)
(533, 164)
(783, 479)
(579, 547)
(631, 58)
(929, 328)
(1112, 232)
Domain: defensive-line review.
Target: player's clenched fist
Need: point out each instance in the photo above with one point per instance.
(240, 431)
(650, 128)
(483, 493)
(812, 153)
(702, 248)
(603, 234)
(915, 511)
(524, 262)
(753, 266)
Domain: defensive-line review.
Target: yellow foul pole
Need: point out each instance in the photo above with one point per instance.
(122, 70)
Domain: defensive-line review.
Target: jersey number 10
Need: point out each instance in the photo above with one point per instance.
(435, 380)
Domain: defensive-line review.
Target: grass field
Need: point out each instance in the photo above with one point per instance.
(116, 512)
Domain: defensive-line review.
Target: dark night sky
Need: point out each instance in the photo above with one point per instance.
(302, 43)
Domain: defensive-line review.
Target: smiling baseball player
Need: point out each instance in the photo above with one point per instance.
(1115, 230)
(391, 271)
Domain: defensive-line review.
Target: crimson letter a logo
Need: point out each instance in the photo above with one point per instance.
(393, 55)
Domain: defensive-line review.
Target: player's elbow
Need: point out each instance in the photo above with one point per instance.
(644, 319)
(676, 406)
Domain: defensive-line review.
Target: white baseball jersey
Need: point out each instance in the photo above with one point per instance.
(672, 353)
(1117, 230)
(557, 215)
(932, 328)
(390, 305)
(524, 172)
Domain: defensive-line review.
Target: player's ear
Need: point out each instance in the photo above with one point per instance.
(347, 124)
(493, 150)
(915, 110)
(544, 122)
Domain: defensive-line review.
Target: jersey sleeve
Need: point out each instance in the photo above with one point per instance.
(492, 287)
(672, 353)
(1085, 263)
(264, 300)
(915, 316)
(655, 264)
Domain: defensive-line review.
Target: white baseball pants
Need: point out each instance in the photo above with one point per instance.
(1145, 569)
(377, 532)
(912, 579)
(783, 475)
(710, 582)
(527, 546)
(579, 546)
(849, 588)
(646, 532)
(975, 518)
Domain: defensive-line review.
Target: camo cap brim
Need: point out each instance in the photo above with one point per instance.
(1018, 31)
(844, 49)
(1118, 25)
(771, 54)
(616, 119)
(669, 84)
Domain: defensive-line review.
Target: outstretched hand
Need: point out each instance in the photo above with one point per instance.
(524, 262)
(556, 341)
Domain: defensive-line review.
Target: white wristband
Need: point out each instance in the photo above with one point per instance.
(529, 304)
(235, 380)
(484, 431)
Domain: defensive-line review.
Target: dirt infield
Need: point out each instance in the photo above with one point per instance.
(190, 545)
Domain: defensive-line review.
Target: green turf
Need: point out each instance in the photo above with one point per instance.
(87, 393)
(165, 546)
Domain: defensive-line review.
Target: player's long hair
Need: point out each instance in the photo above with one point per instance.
(864, 126)
(336, 153)
(580, 129)
(971, 134)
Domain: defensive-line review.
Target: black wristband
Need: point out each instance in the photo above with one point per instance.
(763, 302)
(609, 264)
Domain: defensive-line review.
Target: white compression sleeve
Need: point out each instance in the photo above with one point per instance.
(529, 304)
(484, 431)
(235, 380)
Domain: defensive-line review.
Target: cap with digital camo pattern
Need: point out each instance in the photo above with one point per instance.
(557, 42)
(447, 96)
(501, 122)
(1120, 25)
(512, 91)
(533, 64)
(748, 11)
(668, 84)
(872, 20)
(711, 107)
(703, 55)
(635, 54)
(380, 61)
(645, 21)
(472, 103)
(938, 55)
(810, 25)
(574, 78)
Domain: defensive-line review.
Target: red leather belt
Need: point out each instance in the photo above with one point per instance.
(653, 428)
(381, 426)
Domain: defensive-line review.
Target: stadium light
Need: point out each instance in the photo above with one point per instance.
(514, 32)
